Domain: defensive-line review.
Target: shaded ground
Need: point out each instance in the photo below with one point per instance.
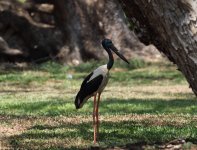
(21, 128)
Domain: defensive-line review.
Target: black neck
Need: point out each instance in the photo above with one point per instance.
(111, 59)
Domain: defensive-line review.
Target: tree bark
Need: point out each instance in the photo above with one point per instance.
(172, 28)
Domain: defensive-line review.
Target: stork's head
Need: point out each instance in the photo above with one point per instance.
(108, 45)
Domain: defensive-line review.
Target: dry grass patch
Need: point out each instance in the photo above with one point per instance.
(149, 92)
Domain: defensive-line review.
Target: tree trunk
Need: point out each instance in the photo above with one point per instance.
(172, 28)
(87, 23)
(70, 31)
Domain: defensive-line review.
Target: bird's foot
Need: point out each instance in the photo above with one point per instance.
(95, 146)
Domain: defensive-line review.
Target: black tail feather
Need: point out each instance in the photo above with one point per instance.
(77, 101)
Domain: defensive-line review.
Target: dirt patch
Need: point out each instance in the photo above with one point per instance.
(11, 126)
(5, 133)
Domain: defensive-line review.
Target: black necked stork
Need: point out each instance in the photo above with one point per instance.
(95, 83)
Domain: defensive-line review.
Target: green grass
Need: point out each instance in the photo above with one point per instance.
(145, 102)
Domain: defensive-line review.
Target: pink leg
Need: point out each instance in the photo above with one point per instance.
(94, 123)
(97, 116)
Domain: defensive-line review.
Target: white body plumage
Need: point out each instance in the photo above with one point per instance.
(102, 70)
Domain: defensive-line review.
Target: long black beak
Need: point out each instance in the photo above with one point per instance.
(115, 50)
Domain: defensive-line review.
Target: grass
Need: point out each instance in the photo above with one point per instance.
(145, 102)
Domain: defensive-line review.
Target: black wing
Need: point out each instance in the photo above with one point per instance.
(88, 88)
(86, 79)
(91, 86)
